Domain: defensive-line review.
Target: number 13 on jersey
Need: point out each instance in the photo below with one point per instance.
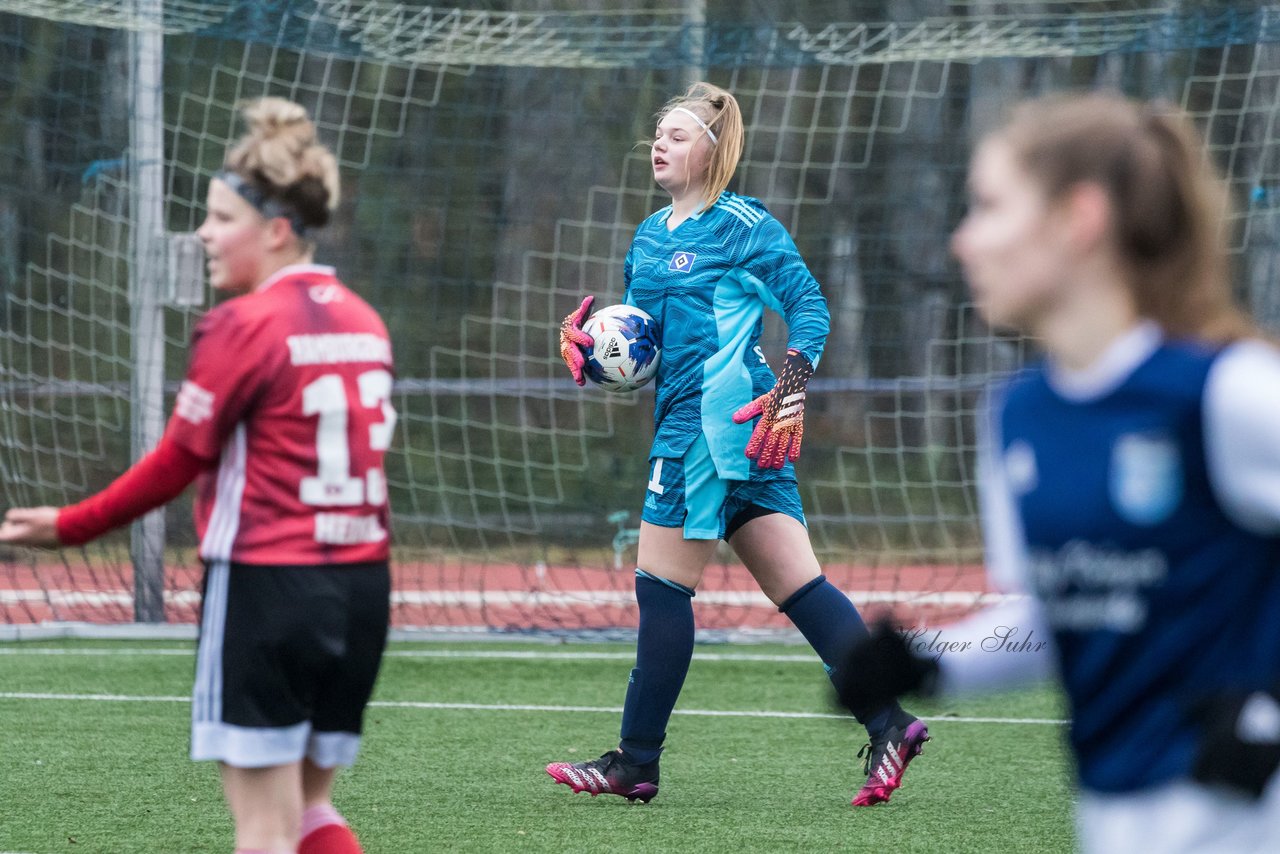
(334, 484)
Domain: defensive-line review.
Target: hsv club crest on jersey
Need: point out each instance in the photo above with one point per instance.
(682, 262)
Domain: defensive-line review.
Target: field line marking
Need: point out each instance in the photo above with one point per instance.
(518, 707)
(478, 655)
(120, 597)
(98, 698)
(102, 651)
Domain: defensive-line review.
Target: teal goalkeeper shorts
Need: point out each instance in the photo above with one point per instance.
(687, 493)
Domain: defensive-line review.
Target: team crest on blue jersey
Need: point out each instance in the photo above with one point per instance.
(681, 262)
(1020, 467)
(1146, 479)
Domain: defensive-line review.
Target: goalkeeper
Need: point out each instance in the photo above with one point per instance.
(706, 267)
(1130, 480)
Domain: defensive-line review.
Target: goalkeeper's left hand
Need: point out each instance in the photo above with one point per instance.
(777, 436)
(1241, 744)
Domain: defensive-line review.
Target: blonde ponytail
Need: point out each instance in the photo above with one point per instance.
(722, 118)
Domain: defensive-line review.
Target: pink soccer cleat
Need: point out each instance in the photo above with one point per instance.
(609, 775)
(887, 759)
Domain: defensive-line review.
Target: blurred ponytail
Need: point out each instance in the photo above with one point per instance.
(1170, 205)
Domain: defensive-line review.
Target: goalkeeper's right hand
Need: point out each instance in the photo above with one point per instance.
(573, 339)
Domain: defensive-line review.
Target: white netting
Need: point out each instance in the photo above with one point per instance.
(492, 178)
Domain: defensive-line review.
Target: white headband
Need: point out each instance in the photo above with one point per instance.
(697, 119)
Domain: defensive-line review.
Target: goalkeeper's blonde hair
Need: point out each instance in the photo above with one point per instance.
(720, 111)
(280, 156)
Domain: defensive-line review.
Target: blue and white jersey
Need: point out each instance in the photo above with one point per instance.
(1146, 506)
(708, 282)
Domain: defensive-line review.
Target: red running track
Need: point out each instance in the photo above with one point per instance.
(508, 596)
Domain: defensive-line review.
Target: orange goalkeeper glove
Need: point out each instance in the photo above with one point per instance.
(777, 436)
(573, 339)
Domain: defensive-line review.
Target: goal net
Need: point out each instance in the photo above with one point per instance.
(493, 175)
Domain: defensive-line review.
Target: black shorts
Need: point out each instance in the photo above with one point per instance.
(286, 662)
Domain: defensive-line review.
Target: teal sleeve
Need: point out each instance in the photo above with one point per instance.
(792, 291)
(627, 265)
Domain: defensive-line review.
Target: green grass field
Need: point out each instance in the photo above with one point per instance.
(95, 745)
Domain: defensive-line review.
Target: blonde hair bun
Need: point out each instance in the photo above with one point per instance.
(280, 156)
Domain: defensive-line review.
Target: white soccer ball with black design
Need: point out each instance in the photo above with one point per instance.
(627, 348)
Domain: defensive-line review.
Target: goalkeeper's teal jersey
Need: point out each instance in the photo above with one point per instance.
(708, 283)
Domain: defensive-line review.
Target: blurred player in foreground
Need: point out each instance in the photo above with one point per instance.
(706, 267)
(1130, 479)
(283, 418)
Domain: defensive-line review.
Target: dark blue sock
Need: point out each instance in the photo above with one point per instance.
(826, 618)
(663, 651)
(830, 623)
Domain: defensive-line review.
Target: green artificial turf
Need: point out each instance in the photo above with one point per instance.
(457, 739)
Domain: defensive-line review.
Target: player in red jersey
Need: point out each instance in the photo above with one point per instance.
(283, 420)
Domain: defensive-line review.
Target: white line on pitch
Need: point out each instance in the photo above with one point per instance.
(477, 655)
(546, 598)
(122, 651)
(509, 707)
(539, 655)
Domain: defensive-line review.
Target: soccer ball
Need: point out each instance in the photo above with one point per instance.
(628, 345)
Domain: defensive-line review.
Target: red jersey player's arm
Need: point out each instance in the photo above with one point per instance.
(154, 480)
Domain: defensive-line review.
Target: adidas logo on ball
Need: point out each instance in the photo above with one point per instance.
(628, 344)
